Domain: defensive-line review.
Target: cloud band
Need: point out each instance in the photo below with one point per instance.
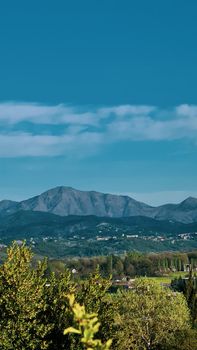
(30, 129)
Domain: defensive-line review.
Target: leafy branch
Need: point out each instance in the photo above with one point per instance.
(88, 326)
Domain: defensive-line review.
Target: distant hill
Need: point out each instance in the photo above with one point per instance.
(185, 211)
(65, 201)
(25, 224)
(7, 207)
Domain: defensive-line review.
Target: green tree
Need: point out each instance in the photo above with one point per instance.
(109, 265)
(118, 267)
(148, 314)
(93, 295)
(189, 289)
(190, 292)
(33, 307)
(57, 312)
(181, 340)
(22, 292)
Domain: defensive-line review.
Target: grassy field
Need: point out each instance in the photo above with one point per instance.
(168, 278)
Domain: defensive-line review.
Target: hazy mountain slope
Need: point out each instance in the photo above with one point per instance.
(7, 207)
(185, 211)
(66, 201)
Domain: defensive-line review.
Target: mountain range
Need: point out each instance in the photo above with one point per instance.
(65, 201)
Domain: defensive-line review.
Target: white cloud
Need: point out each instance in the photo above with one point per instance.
(85, 129)
(13, 113)
(123, 110)
(25, 144)
(187, 110)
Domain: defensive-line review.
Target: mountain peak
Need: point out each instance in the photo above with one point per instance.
(7, 206)
(59, 188)
(190, 199)
(65, 200)
(189, 203)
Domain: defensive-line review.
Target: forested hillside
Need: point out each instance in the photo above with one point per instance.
(57, 236)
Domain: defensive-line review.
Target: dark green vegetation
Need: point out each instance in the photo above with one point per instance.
(57, 236)
(43, 310)
(189, 288)
(164, 266)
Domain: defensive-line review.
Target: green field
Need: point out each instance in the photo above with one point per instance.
(168, 278)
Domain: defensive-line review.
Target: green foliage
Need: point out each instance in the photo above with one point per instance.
(57, 312)
(35, 311)
(93, 293)
(132, 264)
(150, 314)
(181, 340)
(189, 288)
(88, 326)
(22, 292)
(190, 292)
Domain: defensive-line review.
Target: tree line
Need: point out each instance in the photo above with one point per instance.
(130, 265)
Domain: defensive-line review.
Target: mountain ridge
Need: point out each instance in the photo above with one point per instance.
(65, 201)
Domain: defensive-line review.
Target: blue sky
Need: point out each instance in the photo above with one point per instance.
(99, 95)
